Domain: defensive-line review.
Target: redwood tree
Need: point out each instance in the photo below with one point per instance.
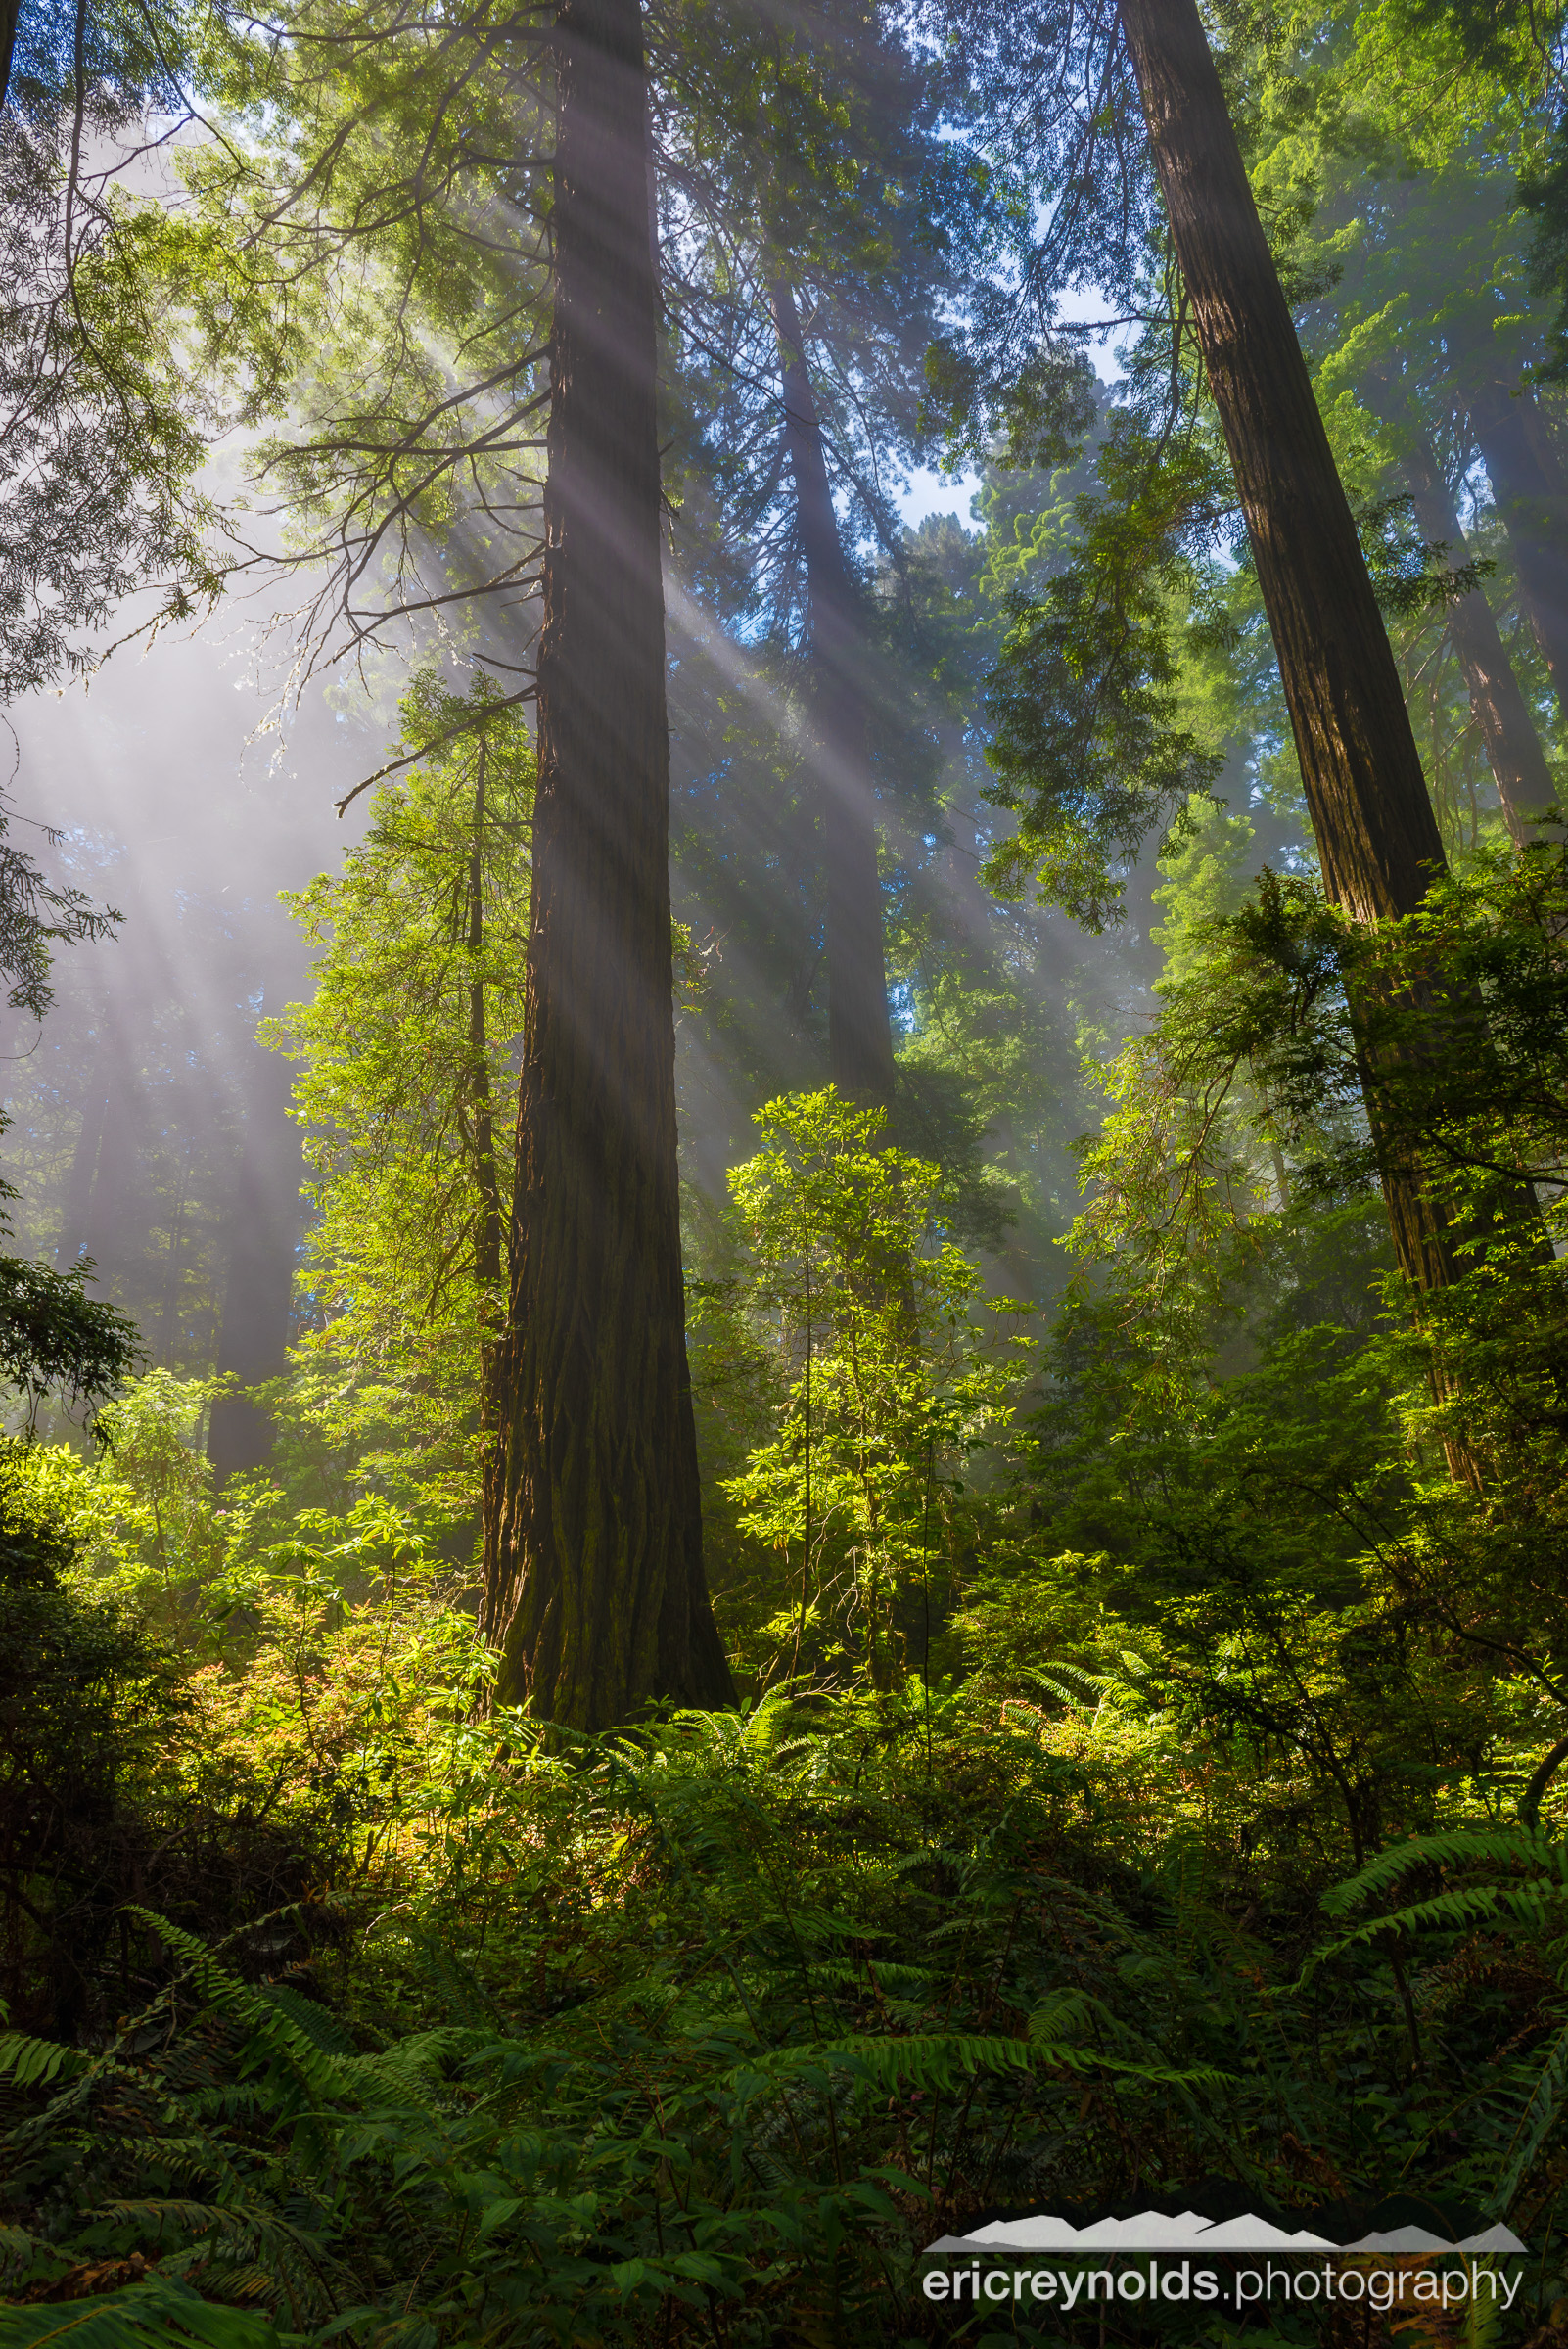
(1531, 495)
(859, 1031)
(1371, 814)
(596, 1598)
(1497, 701)
(1069, 90)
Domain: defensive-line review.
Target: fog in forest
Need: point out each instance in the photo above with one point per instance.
(150, 1131)
(785, 1318)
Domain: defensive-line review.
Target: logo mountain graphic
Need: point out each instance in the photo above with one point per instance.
(1151, 2236)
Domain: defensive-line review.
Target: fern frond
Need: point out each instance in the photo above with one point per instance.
(1454, 1911)
(15, 2243)
(1462, 1847)
(30, 2062)
(156, 2315)
(319, 2025)
(1062, 2011)
(934, 2060)
(327, 2077)
(1536, 2122)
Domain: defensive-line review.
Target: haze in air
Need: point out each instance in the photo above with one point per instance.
(782, 905)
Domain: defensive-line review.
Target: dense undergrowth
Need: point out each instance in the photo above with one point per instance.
(702, 2033)
(1148, 1789)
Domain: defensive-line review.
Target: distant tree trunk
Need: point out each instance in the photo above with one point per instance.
(1497, 704)
(1532, 496)
(970, 907)
(488, 1239)
(263, 1220)
(78, 1203)
(860, 1030)
(598, 1601)
(1372, 814)
(114, 1231)
(169, 1319)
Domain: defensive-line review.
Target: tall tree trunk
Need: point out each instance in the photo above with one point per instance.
(488, 1240)
(263, 1218)
(1532, 496)
(970, 907)
(859, 1031)
(113, 1230)
(1372, 814)
(1497, 704)
(598, 1601)
(83, 1169)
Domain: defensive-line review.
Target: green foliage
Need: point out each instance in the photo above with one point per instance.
(863, 1321)
(132, 336)
(407, 1093)
(1155, 1783)
(146, 2316)
(1090, 748)
(151, 1511)
(1239, 1112)
(57, 1340)
(389, 192)
(84, 1708)
(743, 2013)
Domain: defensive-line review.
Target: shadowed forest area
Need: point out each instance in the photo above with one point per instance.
(785, 1143)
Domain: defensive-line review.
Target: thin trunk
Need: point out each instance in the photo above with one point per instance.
(262, 1219)
(1532, 497)
(119, 1160)
(488, 1252)
(859, 1031)
(168, 1313)
(971, 906)
(1281, 1175)
(83, 1169)
(598, 1602)
(1497, 704)
(1376, 832)
(10, 12)
(487, 1262)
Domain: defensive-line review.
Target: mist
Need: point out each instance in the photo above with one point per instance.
(148, 1129)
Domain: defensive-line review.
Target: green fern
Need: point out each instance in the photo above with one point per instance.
(34, 2063)
(938, 2061)
(327, 2076)
(153, 2315)
(1467, 1847)
(319, 2025)
(1539, 2118)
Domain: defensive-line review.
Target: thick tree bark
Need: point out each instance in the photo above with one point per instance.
(860, 1030)
(1372, 814)
(598, 1602)
(1532, 496)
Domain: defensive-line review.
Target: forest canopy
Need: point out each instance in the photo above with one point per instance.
(807, 1485)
